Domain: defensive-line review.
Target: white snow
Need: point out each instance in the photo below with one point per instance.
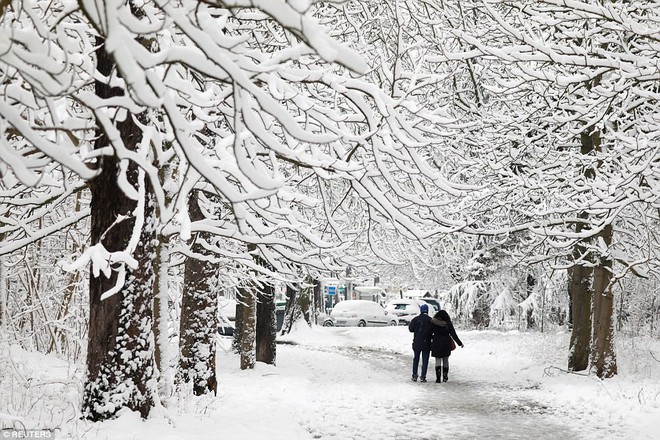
(353, 383)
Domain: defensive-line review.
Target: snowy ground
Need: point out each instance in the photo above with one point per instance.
(353, 383)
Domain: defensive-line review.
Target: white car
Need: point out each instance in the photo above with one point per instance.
(325, 320)
(406, 309)
(226, 316)
(361, 313)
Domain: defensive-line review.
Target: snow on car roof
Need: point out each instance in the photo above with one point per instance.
(357, 303)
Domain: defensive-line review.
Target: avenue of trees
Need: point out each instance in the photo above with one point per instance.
(153, 154)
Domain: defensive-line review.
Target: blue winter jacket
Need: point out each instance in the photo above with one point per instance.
(422, 329)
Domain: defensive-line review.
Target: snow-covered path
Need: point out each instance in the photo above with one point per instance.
(463, 408)
(354, 384)
(466, 407)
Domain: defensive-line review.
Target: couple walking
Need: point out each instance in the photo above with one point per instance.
(432, 336)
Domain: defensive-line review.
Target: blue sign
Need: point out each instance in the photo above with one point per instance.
(332, 290)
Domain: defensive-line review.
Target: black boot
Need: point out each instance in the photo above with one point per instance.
(445, 374)
(437, 374)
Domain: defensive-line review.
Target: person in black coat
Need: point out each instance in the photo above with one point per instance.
(441, 338)
(421, 328)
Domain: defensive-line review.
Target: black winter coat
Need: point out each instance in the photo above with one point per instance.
(441, 335)
(421, 327)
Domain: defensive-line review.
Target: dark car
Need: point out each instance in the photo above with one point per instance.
(226, 328)
(226, 316)
(434, 303)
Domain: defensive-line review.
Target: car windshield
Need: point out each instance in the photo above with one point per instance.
(400, 306)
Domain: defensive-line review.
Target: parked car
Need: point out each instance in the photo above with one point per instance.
(225, 327)
(371, 293)
(226, 316)
(325, 320)
(361, 313)
(404, 309)
(434, 305)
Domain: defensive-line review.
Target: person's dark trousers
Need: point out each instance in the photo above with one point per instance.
(425, 363)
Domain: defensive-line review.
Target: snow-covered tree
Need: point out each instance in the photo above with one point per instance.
(586, 141)
(199, 311)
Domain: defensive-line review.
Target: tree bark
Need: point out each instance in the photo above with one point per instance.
(247, 329)
(163, 356)
(319, 305)
(291, 310)
(161, 317)
(306, 299)
(120, 367)
(531, 282)
(199, 316)
(604, 358)
(3, 291)
(238, 320)
(580, 284)
(581, 294)
(266, 331)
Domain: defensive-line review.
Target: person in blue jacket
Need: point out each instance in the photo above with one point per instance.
(421, 328)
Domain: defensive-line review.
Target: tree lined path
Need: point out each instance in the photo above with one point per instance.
(503, 155)
(472, 405)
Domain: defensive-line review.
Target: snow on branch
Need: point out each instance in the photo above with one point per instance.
(294, 16)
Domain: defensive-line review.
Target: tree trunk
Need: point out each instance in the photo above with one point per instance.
(162, 304)
(319, 305)
(305, 300)
(581, 294)
(3, 292)
(291, 310)
(238, 320)
(654, 313)
(604, 358)
(580, 284)
(531, 282)
(247, 329)
(266, 325)
(199, 315)
(120, 367)
(161, 317)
